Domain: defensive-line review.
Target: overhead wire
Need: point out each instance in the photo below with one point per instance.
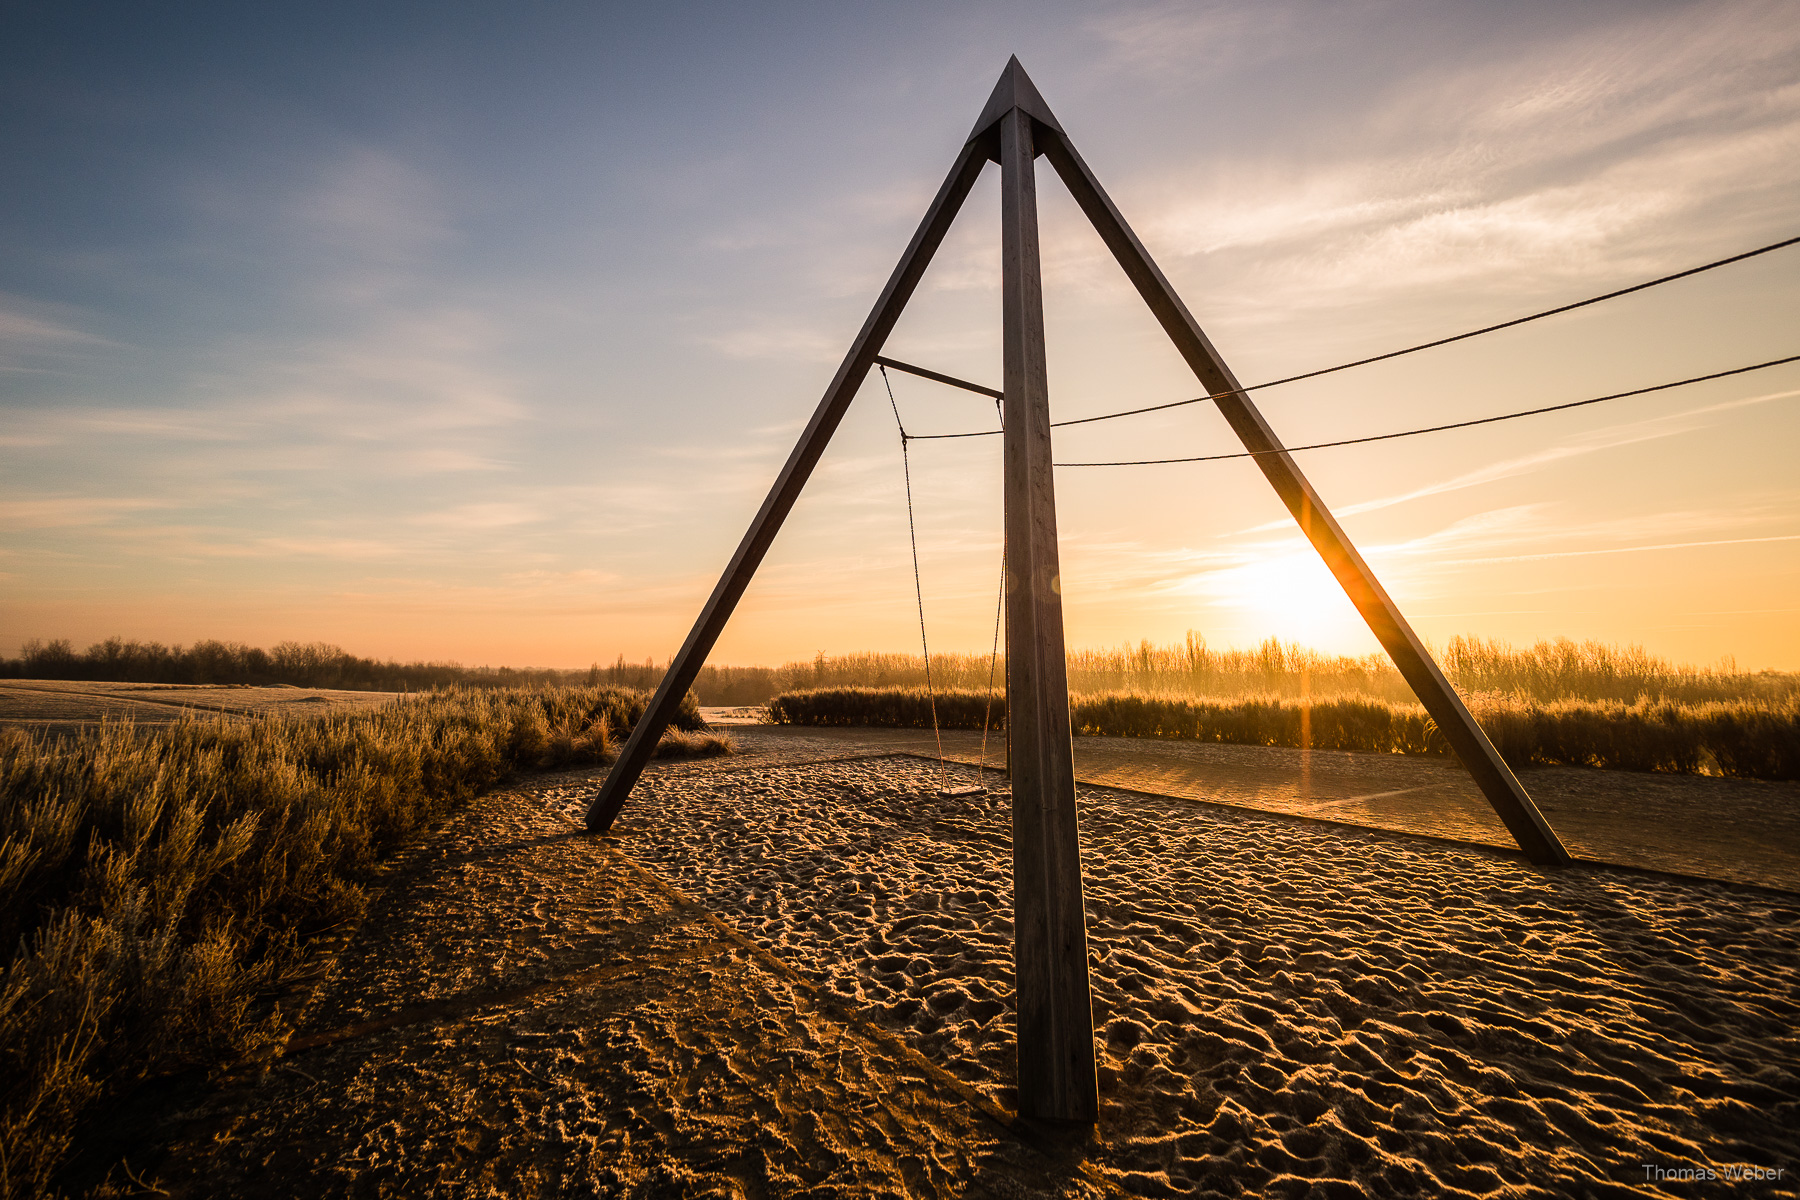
(1403, 433)
(1375, 358)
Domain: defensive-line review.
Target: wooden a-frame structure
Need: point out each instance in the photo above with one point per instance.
(1055, 1019)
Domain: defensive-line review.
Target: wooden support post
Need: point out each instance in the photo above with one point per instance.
(1492, 775)
(1056, 1027)
(641, 745)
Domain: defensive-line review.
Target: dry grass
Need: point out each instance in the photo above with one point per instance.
(1546, 672)
(1750, 739)
(1559, 702)
(154, 882)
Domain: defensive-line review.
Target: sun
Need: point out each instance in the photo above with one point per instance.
(1289, 595)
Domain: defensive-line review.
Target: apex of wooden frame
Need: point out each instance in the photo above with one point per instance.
(1015, 90)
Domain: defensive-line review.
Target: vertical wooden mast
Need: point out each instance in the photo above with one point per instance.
(1056, 1027)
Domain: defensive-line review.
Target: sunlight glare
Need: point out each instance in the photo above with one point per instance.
(1289, 595)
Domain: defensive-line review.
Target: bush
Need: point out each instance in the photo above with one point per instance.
(1748, 738)
(904, 708)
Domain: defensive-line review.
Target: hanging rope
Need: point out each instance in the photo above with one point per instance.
(912, 531)
(993, 661)
(987, 713)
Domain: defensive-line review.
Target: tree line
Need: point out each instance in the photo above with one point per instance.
(302, 664)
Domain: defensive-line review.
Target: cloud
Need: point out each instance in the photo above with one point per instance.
(787, 343)
(370, 202)
(1284, 575)
(1632, 433)
(1151, 42)
(34, 334)
(1531, 532)
(412, 396)
(1616, 151)
(491, 514)
(342, 549)
(62, 512)
(18, 327)
(1787, 537)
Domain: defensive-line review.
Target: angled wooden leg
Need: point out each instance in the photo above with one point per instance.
(692, 656)
(1495, 778)
(1056, 1021)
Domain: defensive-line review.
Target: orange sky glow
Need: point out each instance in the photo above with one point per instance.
(452, 377)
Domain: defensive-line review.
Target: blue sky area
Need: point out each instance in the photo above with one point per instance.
(478, 332)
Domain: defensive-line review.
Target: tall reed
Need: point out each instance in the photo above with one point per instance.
(1548, 671)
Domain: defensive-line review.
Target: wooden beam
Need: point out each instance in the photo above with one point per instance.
(1056, 1025)
(937, 377)
(641, 745)
(1496, 780)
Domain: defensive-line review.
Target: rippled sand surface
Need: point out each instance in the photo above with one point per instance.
(1284, 1007)
(795, 980)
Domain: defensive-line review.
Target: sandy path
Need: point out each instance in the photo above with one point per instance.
(1285, 1008)
(1736, 830)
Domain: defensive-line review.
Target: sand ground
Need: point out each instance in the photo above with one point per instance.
(1735, 830)
(789, 978)
(64, 706)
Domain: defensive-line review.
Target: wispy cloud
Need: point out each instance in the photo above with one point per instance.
(788, 343)
(1150, 42)
(36, 336)
(1493, 558)
(65, 512)
(413, 396)
(1631, 433)
(18, 327)
(1433, 561)
(1613, 152)
(1286, 574)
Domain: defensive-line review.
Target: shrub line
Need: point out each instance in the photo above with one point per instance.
(1747, 739)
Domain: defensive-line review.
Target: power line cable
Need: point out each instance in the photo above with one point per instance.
(1363, 362)
(1383, 437)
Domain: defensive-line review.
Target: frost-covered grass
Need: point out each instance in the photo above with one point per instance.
(154, 881)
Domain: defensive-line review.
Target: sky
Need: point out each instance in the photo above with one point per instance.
(479, 332)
